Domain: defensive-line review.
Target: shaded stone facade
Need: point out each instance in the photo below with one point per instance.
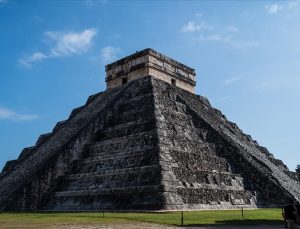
(145, 145)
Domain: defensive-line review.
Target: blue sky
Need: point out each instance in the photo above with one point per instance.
(246, 55)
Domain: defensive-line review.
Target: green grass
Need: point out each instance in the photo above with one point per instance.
(42, 220)
(257, 216)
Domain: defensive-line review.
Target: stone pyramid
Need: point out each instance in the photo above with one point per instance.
(145, 145)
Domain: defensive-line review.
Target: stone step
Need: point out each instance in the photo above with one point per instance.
(137, 97)
(107, 207)
(149, 133)
(182, 130)
(76, 111)
(171, 186)
(125, 130)
(127, 117)
(206, 196)
(178, 115)
(203, 157)
(192, 160)
(25, 152)
(92, 97)
(201, 146)
(136, 197)
(9, 165)
(112, 172)
(130, 142)
(104, 154)
(42, 138)
(148, 177)
(134, 189)
(58, 125)
(208, 177)
(119, 153)
(197, 185)
(134, 103)
(124, 161)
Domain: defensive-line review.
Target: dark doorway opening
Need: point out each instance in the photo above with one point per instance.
(124, 80)
(173, 81)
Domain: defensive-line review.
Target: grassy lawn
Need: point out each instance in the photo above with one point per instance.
(26, 220)
(38, 220)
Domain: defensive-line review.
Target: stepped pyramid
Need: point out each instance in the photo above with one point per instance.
(146, 143)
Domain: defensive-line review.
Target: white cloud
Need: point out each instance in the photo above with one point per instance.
(232, 80)
(227, 40)
(215, 37)
(293, 4)
(109, 54)
(35, 57)
(211, 33)
(245, 44)
(67, 44)
(11, 115)
(232, 29)
(193, 26)
(274, 8)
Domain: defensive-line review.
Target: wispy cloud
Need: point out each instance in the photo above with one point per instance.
(7, 114)
(3, 1)
(193, 26)
(284, 82)
(274, 8)
(232, 28)
(215, 37)
(63, 44)
(227, 39)
(232, 80)
(109, 54)
(67, 44)
(293, 4)
(203, 32)
(27, 61)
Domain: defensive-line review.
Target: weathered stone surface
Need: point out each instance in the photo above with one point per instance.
(146, 145)
(150, 62)
(9, 165)
(25, 152)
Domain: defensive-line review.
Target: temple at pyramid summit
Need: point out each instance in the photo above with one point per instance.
(147, 142)
(149, 62)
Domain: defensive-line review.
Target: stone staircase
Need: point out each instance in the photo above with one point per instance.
(102, 124)
(123, 159)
